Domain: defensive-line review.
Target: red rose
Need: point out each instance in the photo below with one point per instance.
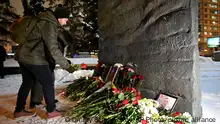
(138, 93)
(127, 89)
(115, 90)
(141, 77)
(83, 66)
(179, 122)
(119, 105)
(176, 114)
(123, 89)
(99, 65)
(134, 77)
(133, 90)
(101, 84)
(135, 102)
(138, 97)
(125, 102)
(124, 74)
(143, 121)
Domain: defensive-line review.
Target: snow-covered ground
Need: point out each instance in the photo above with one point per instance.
(13, 63)
(210, 87)
(209, 79)
(11, 83)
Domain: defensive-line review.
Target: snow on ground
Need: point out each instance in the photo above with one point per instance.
(210, 87)
(11, 83)
(209, 80)
(10, 86)
(13, 63)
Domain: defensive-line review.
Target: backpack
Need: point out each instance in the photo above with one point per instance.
(21, 29)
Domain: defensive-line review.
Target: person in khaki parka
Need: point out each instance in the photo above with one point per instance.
(64, 39)
(33, 63)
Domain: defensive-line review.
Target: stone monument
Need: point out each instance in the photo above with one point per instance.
(161, 37)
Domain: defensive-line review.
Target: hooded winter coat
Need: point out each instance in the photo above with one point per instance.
(43, 36)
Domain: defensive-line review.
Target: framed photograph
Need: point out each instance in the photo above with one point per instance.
(166, 101)
(111, 74)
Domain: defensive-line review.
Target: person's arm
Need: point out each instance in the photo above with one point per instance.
(49, 35)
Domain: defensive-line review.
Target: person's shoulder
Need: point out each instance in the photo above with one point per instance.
(48, 16)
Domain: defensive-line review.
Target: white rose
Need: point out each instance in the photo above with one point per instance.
(118, 65)
(186, 114)
(153, 111)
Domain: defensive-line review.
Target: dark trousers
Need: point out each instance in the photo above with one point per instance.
(30, 74)
(2, 69)
(37, 91)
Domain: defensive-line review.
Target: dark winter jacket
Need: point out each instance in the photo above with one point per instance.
(43, 36)
(63, 42)
(3, 54)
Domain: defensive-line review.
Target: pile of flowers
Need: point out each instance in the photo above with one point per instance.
(83, 87)
(118, 103)
(125, 107)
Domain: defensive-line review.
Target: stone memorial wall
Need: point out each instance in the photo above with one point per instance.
(160, 36)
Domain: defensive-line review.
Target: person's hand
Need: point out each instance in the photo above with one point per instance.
(73, 68)
(69, 61)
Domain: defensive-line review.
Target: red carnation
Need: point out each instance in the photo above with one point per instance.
(83, 66)
(176, 114)
(125, 102)
(179, 122)
(138, 97)
(134, 77)
(135, 102)
(143, 121)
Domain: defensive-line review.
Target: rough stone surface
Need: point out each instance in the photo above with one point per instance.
(160, 36)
